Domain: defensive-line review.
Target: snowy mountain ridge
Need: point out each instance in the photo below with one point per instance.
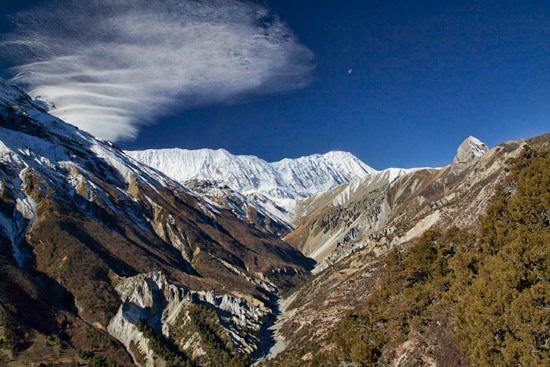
(272, 188)
(290, 178)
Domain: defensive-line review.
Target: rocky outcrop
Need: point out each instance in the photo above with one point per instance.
(341, 221)
(344, 220)
(150, 298)
(470, 149)
(254, 208)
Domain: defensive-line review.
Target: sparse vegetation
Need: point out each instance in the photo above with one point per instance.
(92, 229)
(204, 322)
(10, 333)
(207, 324)
(94, 360)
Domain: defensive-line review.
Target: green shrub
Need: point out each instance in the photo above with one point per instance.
(163, 347)
(503, 296)
(493, 288)
(240, 361)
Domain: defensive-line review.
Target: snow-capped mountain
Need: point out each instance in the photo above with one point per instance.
(91, 236)
(368, 202)
(271, 188)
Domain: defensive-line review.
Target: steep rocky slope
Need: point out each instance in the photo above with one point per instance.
(360, 222)
(345, 216)
(468, 296)
(333, 224)
(263, 193)
(104, 259)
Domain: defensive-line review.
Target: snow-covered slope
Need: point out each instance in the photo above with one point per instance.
(272, 188)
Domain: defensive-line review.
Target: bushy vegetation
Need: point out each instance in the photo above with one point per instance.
(95, 360)
(240, 361)
(218, 347)
(11, 335)
(205, 322)
(502, 291)
(465, 296)
(163, 347)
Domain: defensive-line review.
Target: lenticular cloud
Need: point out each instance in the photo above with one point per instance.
(109, 66)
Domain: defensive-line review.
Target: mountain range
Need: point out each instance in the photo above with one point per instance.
(289, 192)
(174, 257)
(264, 193)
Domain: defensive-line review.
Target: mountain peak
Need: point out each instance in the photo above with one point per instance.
(339, 154)
(220, 165)
(470, 149)
(273, 186)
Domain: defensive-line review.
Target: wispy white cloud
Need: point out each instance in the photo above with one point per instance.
(109, 66)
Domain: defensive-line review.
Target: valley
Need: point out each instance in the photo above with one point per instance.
(204, 258)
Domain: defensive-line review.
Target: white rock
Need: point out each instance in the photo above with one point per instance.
(470, 149)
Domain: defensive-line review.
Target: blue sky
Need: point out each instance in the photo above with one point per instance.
(425, 75)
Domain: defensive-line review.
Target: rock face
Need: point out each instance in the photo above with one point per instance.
(253, 188)
(92, 242)
(340, 221)
(470, 149)
(351, 228)
(151, 298)
(337, 222)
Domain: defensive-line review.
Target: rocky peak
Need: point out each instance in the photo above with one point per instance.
(469, 149)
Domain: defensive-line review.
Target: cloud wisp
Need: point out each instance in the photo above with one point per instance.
(109, 66)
